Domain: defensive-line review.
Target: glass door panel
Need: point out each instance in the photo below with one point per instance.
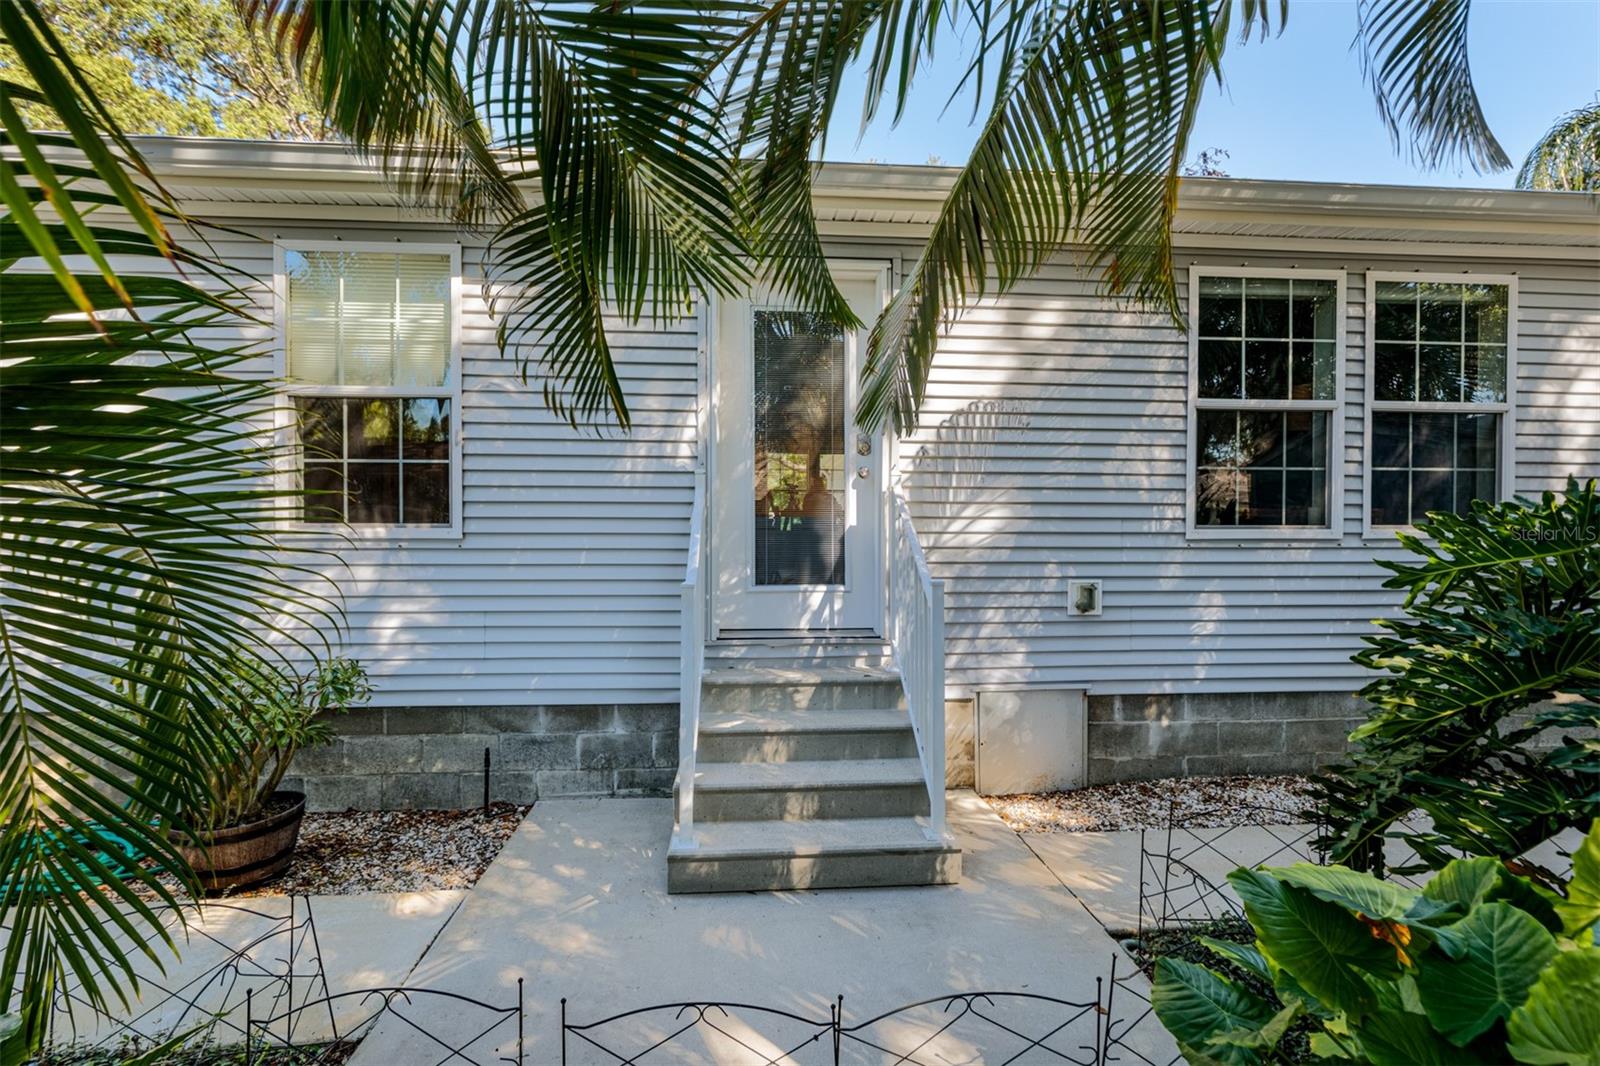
(799, 455)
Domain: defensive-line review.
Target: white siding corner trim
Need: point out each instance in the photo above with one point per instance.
(1507, 410)
(1334, 406)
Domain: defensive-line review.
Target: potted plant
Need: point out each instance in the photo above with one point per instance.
(248, 832)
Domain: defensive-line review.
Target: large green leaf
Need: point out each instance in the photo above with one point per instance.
(1360, 892)
(1397, 1038)
(1324, 946)
(1196, 1003)
(1466, 882)
(1501, 953)
(1581, 909)
(1559, 1025)
(1246, 956)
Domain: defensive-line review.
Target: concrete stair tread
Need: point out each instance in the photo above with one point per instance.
(835, 773)
(837, 836)
(723, 723)
(777, 675)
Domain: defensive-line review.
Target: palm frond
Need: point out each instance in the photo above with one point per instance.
(1414, 53)
(1082, 145)
(385, 75)
(1567, 157)
(136, 542)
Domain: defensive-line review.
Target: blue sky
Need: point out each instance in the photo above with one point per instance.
(1295, 106)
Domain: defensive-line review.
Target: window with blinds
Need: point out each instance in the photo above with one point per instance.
(368, 342)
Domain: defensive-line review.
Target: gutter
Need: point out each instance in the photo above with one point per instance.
(246, 164)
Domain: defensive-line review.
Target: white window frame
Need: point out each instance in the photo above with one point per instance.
(1334, 530)
(1507, 409)
(288, 469)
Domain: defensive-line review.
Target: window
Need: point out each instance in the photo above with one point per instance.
(1263, 401)
(1440, 368)
(369, 344)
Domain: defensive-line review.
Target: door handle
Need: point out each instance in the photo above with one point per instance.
(863, 472)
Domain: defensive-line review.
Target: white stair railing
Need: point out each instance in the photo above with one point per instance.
(691, 664)
(916, 638)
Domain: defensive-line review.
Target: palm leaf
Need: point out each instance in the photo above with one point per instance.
(1082, 145)
(1567, 157)
(1414, 53)
(137, 542)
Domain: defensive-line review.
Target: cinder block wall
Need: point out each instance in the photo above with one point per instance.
(1135, 738)
(391, 758)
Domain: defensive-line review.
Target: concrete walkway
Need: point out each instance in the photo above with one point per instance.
(576, 905)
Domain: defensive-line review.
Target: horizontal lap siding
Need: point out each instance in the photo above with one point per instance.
(564, 586)
(1052, 446)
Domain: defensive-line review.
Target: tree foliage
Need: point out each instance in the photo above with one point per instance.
(175, 67)
(1499, 646)
(674, 150)
(1567, 157)
(138, 541)
(1480, 966)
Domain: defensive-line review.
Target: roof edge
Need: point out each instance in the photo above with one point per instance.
(203, 160)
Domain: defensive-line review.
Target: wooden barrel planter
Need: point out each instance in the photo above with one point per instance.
(244, 855)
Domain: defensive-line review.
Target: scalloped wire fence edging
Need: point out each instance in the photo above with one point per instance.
(1117, 1048)
(830, 1042)
(1173, 892)
(450, 1050)
(209, 1001)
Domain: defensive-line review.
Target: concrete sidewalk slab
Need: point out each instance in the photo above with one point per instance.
(268, 945)
(576, 904)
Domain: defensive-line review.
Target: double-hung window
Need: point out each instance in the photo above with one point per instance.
(369, 340)
(1440, 366)
(1264, 393)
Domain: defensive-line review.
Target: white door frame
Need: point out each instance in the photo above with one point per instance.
(868, 585)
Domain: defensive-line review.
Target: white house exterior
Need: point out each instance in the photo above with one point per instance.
(1229, 515)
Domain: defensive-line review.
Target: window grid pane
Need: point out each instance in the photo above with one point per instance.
(375, 461)
(1261, 468)
(1267, 338)
(368, 318)
(1430, 461)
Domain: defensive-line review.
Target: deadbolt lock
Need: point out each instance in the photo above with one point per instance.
(863, 444)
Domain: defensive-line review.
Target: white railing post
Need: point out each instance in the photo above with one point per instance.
(691, 665)
(936, 721)
(916, 639)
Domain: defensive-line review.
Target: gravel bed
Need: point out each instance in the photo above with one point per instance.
(394, 851)
(1198, 802)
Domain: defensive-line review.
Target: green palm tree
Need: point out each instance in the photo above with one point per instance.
(639, 154)
(1567, 157)
(137, 551)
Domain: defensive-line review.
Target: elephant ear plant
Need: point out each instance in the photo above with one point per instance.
(1482, 965)
(273, 714)
(1486, 709)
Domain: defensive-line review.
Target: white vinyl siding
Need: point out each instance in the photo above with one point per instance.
(1053, 446)
(562, 585)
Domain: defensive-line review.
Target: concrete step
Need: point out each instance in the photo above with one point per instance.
(806, 736)
(830, 853)
(821, 789)
(750, 688)
(801, 652)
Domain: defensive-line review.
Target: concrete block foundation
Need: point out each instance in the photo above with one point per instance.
(396, 758)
